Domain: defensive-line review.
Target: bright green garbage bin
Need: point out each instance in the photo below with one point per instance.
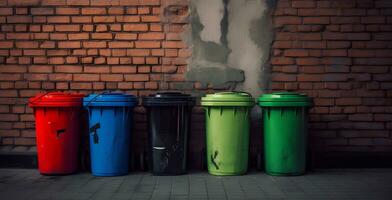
(285, 128)
(227, 132)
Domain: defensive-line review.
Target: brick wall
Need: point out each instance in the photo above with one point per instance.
(86, 46)
(338, 52)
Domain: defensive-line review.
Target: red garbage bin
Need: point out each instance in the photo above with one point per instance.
(57, 122)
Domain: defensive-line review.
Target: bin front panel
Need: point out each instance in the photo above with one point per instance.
(58, 139)
(110, 129)
(285, 140)
(169, 127)
(227, 140)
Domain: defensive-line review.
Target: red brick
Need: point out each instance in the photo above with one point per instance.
(8, 93)
(112, 77)
(285, 20)
(89, 44)
(27, 44)
(360, 117)
(69, 45)
(143, 10)
(173, 44)
(284, 77)
(102, 36)
(282, 61)
(67, 11)
(83, 20)
(9, 117)
(58, 19)
(361, 53)
(40, 69)
(104, 2)
(125, 36)
(81, 86)
(19, 19)
(42, 11)
(316, 20)
(151, 36)
(308, 61)
(6, 44)
(124, 69)
(345, 20)
(136, 77)
(35, 77)
(125, 85)
(296, 53)
(77, 3)
(318, 12)
(60, 77)
(135, 27)
(303, 4)
(348, 101)
(67, 28)
(334, 52)
(78, 36)
(24, 141)
(151, 18)
(86, 77)
(116, 11)
(147, 44)
(96, 69)
(131, 18)
(121, 44)
(103, 19)
(373, 20)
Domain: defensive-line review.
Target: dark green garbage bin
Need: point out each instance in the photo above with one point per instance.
(285, 128)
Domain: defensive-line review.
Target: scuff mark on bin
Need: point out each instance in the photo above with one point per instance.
(60, 131)
(94, 130)
(213, 157)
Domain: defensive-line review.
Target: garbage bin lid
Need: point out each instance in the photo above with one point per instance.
(285, 99)
(168, 99)
(228, 99)
(110, 99)
(56, 99)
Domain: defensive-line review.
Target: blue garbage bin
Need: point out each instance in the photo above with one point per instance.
(110, 124)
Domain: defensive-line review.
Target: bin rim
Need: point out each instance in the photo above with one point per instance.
(56, 99)
(282, 99)
(230, 98)
(110, 99)
(168, 98)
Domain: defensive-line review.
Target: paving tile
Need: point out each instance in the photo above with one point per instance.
(342, 184)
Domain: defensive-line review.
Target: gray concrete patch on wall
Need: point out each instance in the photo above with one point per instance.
(230, 41)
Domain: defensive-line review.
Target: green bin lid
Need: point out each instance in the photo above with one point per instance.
(282, 99)
(228, 99)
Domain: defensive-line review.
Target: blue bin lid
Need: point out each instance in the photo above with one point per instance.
(110, 99)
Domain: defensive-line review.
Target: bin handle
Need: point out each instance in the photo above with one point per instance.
(40, 97)
(243, 92)
(96, 96)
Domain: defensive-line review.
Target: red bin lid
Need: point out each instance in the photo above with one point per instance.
(56, 99)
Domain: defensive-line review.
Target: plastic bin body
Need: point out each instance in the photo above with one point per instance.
(285, 132)
(110, 125)
(227, 132)
(57, 120)
(169, 118)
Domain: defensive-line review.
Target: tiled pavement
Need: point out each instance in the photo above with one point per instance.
(28, 184)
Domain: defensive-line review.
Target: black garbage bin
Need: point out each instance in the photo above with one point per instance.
(169, 115)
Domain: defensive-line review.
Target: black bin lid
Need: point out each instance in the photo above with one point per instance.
(168, 99)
